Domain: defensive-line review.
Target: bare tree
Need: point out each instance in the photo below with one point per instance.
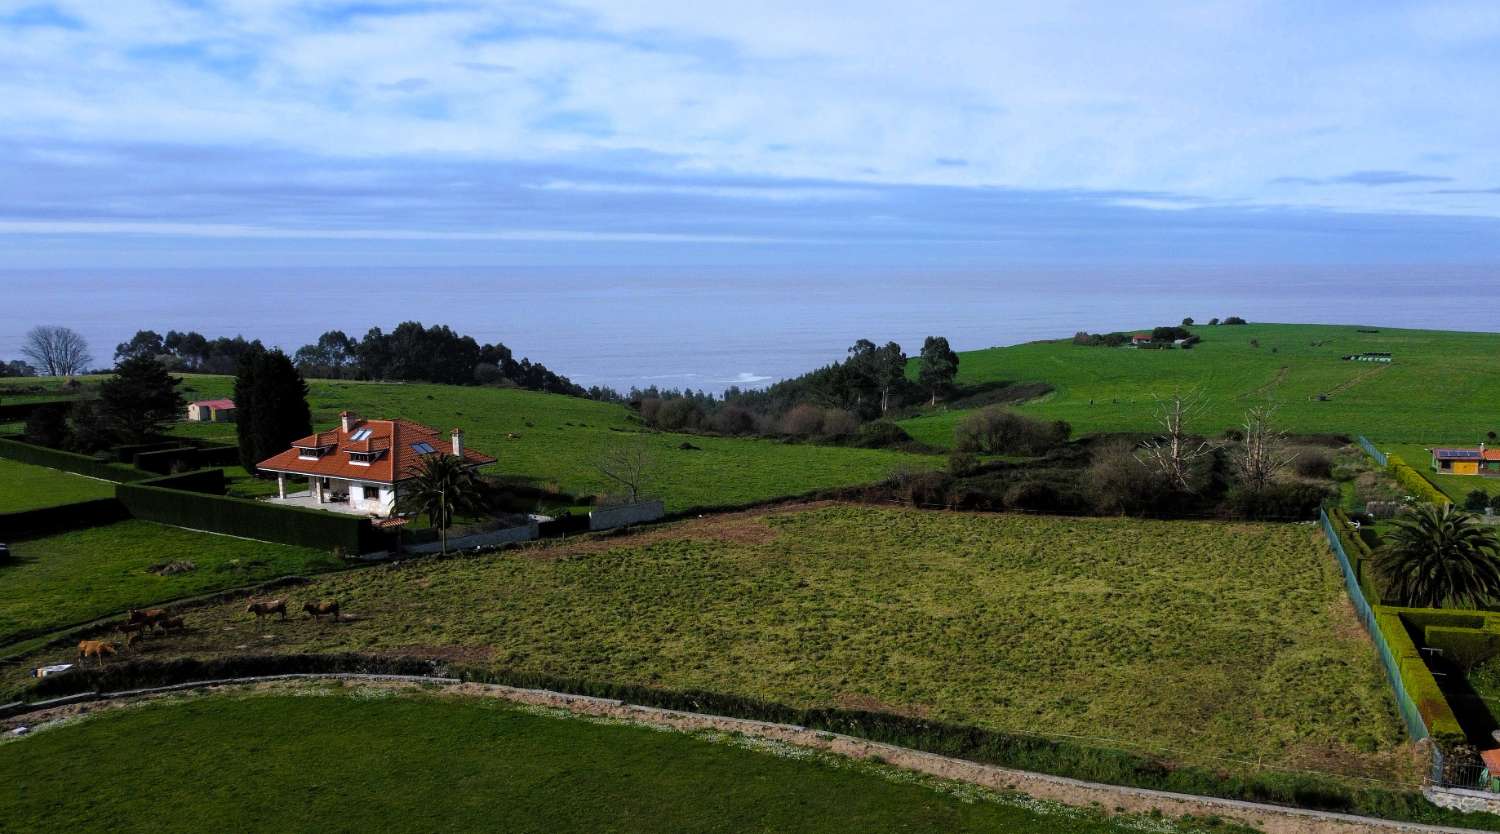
(57, 351)
(1174, 451)
(628, 462)
(1264, 453)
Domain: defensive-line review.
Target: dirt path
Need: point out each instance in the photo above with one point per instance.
(1270, 819)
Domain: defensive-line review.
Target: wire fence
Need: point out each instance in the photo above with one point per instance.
(1374, 453)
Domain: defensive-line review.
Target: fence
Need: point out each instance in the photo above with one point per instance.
(1374, 453)
(1408, 708)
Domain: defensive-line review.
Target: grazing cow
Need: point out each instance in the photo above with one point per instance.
(318, 609)
(266, 608)
(95, 648)
(172, 623)
(149, 617)
(132, 631)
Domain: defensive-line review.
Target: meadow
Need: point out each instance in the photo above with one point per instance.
(1440, 384)
(26, 487)
(332, 757)
(1202, 642)
(560, 439)
(57, 581)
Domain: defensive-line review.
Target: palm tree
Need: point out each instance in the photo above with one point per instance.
(442, 486)
(1441, 556)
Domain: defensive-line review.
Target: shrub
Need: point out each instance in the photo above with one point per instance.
(962, 463)
(999, 431)
(1045, 497)
(1118, 483)
(734, 420)
(1412, 480)
(803, 421)
(881, 434)
(678, 414)
(1277, 500)
(1313, 464)
(1477, 501)
(1234, 320)
(838, 423)
(47, 425)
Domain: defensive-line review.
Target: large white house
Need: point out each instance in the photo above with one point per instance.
(362, 463)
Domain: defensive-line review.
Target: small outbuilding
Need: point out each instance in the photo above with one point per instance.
(211, 411)
(1467, 461)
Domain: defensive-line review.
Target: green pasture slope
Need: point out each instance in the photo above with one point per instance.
(1441, 385)
(559, 441)
(335, 758)
(27, 487)
(1195, 640)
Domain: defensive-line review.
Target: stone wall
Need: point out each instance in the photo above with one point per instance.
(508, 535)
(1462, 799)
(639, 513)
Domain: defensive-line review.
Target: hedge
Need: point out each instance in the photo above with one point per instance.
(18, 412)
(60, 518)
(206, 481)
(1359, 553)
(1013, 750)
(1420, 488)
(69, 462)
(1466, 647)
(251, 519)
(1420, 685)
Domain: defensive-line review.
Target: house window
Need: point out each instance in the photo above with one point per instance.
(371, 493)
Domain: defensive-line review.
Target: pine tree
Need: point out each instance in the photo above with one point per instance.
(139, 400)
(270, 399)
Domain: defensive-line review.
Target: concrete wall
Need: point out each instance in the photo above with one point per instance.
(508, 535)
(1461, 799)
(640, 513)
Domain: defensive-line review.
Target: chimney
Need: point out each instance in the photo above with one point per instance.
(346, 419)
(458, 443)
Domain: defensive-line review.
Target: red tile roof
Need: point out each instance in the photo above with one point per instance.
(397, 438)
(218, 404)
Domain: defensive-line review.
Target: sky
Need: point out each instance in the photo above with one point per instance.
(197, 133)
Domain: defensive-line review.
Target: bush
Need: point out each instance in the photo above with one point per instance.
(881, 434)
(803, 421)
(1279, 500)
(838, 423)
(1477, 501)
(1235, 320)
(734, 420)
(999, 431)
(1117, 483)
(1043, 497)
(962, 463)
(679, 414)
(1314, 464)
(47, 425)
(1412, 480)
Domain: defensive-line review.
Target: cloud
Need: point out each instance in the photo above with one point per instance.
(1368, 178)
(42, 17)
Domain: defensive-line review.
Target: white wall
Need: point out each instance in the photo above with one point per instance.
(611, 517)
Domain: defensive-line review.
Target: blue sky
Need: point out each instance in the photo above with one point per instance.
(164, 133)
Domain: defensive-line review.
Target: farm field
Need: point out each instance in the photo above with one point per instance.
(378, 760)
(1457, 487)
(60, 580)
(560, 440)
(1438, 385)
(1194, 640)
(27, 487)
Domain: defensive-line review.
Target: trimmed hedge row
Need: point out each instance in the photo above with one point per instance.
(251, 519)
(197, 457)
(17, 412)
(205, 481)
(1360, 555)
(1420, 488)
(1416, 677)
(40, 522)
(15, 449)
(1061, 757)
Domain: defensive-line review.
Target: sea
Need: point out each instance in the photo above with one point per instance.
(707, 328)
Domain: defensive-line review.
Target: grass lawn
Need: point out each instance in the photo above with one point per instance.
(70, 578)
(1195, 638)
(27, 487)
(333, 758)
(1457, 487)
(561, 438)
(1437, 386)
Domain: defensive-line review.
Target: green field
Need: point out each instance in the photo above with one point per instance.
(1439, 386)
(73, 577)
(560, 440)
(1195, 639)
(27, 487)
(357, 758)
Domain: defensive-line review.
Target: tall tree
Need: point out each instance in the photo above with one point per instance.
(443, 485)
(938, 366)
(140, 399)
(57, 351)
(1174, 452)
(270, 399)
(143, 343)
(1263, 455)
(1440, 556)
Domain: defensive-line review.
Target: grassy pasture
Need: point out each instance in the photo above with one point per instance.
(344, 758)
(1197, 639)
(59, 580)
(560, 440)
(27, 487)
(1439, 386)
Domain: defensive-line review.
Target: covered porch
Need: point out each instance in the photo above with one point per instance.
(339, 495)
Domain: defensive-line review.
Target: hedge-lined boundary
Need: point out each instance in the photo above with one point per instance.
(17, 412)
(15, 449)
(1361, 557)
(1421, 488)
(1021, 752)
(75, 516)
(1416, 677)
(206, 481)
(197, 457)
(250, 519)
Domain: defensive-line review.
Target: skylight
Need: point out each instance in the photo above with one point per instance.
(360, 435)
(422, 448)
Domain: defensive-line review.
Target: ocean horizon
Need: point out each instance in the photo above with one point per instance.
(711, 327)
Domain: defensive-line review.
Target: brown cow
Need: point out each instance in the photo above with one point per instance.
(95, 648)
(172, 623)
(318, 609)
(132, 631)
(150, 617)
(266, 608)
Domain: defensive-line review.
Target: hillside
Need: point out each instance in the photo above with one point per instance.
(1440, 386)
(558, 439)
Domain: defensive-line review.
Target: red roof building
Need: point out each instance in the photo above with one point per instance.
(363, 462)
(211, 411)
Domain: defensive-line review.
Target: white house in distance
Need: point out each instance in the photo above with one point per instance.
(211, 411)
(358, 466)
